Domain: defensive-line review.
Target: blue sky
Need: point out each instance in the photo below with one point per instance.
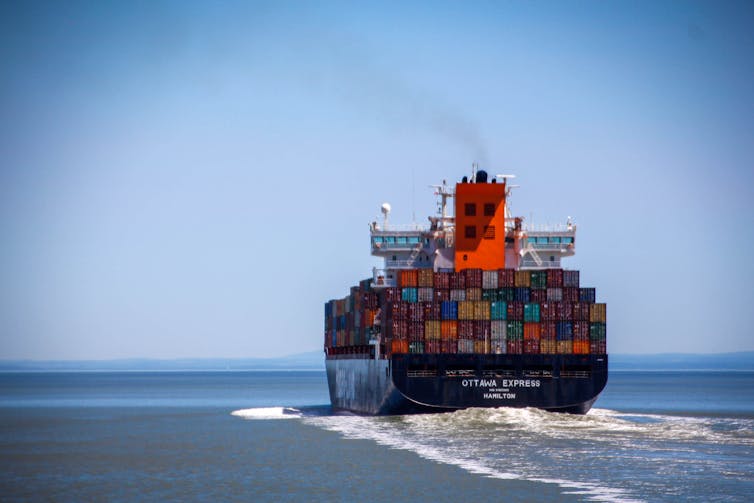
(186, 179)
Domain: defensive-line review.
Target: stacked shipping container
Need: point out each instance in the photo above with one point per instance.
(472, 311)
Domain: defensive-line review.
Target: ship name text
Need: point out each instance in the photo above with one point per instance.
(504, 383)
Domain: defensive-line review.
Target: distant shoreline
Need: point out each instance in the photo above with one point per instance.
(314, 361)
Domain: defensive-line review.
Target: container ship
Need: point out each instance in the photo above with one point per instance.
(471, 310)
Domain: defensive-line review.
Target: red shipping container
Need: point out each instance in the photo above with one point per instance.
(473, 278)
(415, 312)
(392, 294)
(538, 295)
(555, 278)
(531, 346)
(516, 311)
(416, 331)
(505, 278)
(397, 329)
(442, 280)
(548, 331)
(565, 311)
(580, 332)
(548, 312)
(465, 329)
(515, 347)
(441, 295)
(449, 346)
(580, 311)
(432, 347)
(482, 330)
(598, 347)
(571, 295)
(457, 281)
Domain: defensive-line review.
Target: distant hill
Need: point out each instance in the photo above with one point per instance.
(315, 361)
(304, 361)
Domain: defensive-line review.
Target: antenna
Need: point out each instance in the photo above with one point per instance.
(385, 212)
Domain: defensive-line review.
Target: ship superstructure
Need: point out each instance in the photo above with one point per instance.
(472, 309)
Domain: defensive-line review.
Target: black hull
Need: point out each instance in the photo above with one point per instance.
(425, 383)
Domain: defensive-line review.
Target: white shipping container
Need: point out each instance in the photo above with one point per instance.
(489, 280)
(554, 295)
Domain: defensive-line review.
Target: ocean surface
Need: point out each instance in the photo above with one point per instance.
(271, 436)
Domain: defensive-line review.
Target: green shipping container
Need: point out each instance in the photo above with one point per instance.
(515, 330)
(531, 312)
(539, 279)
(498, 310)
(597, 331)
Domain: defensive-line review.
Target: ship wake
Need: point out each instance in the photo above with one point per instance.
(583, 454)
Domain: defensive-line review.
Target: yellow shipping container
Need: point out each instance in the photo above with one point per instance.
(432, 330)
(522, 278)
(597, 313)
(465, 310)
(549, 347)
(426, 278)
(564, 347)
(481, 310)
(473, 294)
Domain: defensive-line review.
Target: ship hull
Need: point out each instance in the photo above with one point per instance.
(426, 383)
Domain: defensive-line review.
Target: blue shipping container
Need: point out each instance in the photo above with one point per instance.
(587, 295)
(564, 331)
(521, 294)
(449, 310)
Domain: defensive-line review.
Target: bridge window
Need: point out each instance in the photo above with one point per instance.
(413, 239)
(470, 231)
(542, 241)
(531, 240)
(489, 210)
(390, 239)
(568, 240)
(401, 240)
(555, 239)
(470, 209)
(377, 239)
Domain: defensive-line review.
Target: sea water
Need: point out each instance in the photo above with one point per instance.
(271, 436)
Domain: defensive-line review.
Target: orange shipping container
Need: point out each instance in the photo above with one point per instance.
(581, 347)
(449, 330)
(532, 331)
(399, 346)
(409, 278)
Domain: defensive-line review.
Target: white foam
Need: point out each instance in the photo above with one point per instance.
(268, 413)
(388, 432)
